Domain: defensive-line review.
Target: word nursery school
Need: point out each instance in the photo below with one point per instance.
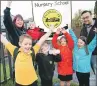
(51, 4)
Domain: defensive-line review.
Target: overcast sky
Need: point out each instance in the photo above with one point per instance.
(24, 7)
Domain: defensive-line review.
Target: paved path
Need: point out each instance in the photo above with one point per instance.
(92, 78)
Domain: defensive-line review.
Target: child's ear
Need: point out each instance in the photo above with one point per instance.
(19, 44)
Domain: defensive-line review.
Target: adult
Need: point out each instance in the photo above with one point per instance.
(89, 24)
(14, 27)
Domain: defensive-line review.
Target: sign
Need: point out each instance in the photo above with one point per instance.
(52, 16)
(51, 12)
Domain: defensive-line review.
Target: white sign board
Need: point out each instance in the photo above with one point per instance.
(47, 12)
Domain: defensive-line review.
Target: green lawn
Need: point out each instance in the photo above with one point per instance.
(10, 82)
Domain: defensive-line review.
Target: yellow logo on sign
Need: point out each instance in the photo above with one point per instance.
(52, 16)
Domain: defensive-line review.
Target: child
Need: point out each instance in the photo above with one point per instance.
(65, 46)
(35, 32)
(45, 60)
(24, 70)
(81, 58)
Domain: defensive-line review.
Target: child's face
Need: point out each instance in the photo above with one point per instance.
(80, 43)
(32, 26)
(26, 45)
(63, 41)
(45, 48)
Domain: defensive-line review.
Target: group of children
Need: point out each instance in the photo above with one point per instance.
(71, 54)
(70, 51)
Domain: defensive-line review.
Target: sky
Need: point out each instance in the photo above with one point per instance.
(24, 7)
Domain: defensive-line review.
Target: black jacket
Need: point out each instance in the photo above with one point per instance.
(13, 31)
(46, 65)
(91, 34)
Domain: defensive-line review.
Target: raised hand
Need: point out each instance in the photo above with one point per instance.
(51, 27)
(58, 31)
(63, 31)
(3, 39)
(9, 4)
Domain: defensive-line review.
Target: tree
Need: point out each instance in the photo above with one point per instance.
(76, 21)
(95, 9)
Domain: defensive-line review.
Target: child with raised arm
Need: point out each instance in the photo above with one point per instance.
(24, 71)
(45, 60)
(65, 67)
(81, 57)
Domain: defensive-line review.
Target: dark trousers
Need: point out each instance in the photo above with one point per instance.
(33, 84)
(83, 78)
(46, 82)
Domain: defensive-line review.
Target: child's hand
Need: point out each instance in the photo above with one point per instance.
(56, 51)
(3, 39)
(63, 31)
(58, 31)
(51, 27)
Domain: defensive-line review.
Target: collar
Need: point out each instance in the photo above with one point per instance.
(21, 50)
(93, 22)
(90, 25)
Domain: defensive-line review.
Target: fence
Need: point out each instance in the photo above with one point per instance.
(5, 62)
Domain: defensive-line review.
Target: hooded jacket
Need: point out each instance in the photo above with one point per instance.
(81, 60)
(65, 66)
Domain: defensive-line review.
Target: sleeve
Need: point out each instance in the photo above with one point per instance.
(70, 41)
(36, 48)
(8, 22)
(10, 48)
(54, 41)
(93, 44)
(57, 58)
(73, 36)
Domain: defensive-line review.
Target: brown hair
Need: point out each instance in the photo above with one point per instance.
(46, 42)
(83, 38)
(62, 38)
(18, 16)
(22, 37)
(85, 11)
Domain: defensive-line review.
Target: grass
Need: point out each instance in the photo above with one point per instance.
(10, 82)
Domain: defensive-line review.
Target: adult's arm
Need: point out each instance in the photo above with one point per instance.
(8, 20)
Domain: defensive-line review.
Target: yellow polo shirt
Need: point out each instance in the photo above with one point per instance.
(24, 69)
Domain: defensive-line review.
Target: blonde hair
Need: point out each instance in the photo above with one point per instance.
(46, 42)
(22, 37)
